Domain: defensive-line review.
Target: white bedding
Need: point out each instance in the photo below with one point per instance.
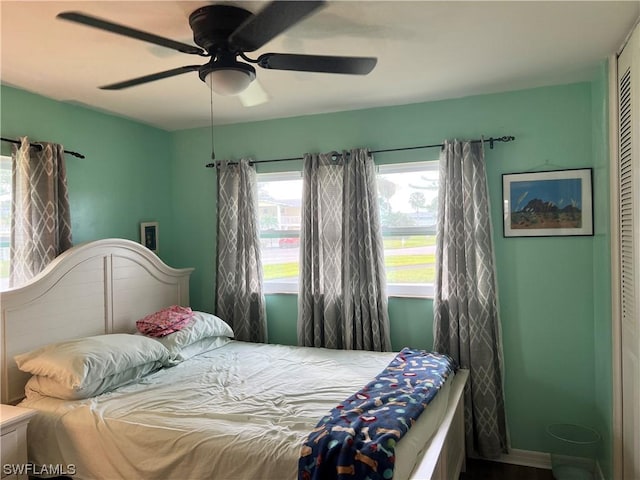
(238, 412)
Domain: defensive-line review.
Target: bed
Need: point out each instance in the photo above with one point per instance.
(238, 411)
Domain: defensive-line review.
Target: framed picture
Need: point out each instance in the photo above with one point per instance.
(149, 235)
(548, 204)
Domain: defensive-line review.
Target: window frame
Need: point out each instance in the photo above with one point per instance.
(279, 287)
(393, 289)
(413, 290)
(7, 160)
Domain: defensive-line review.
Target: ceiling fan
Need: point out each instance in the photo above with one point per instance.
(226, 33)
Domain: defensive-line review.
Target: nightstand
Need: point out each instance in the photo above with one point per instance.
(13, 441)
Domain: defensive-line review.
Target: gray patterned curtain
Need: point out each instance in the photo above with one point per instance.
(239, 296)
(466, 321)
(342, 302)
(40, 218)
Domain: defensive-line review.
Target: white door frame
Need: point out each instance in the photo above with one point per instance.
(616, 327)
(616, 311)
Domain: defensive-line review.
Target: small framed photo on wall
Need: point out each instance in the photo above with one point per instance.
(548, 204)
(149, 236)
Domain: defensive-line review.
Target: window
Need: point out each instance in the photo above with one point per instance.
(408, 198)
(279, 214)
(408, 195)
(5, 220)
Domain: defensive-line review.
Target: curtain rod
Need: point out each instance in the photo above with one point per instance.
(39, 146)
(491, 140)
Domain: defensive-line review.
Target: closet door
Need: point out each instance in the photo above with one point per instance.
(629, 250)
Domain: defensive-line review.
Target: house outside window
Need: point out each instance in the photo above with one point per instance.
(408, 195)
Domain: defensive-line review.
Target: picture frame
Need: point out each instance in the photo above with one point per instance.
(149, 236)
(548, 204)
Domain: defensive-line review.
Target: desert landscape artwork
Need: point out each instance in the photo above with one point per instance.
(548, 203)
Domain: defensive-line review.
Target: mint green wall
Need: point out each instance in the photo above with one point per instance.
(554, 292)
(125, 177)
(282, 311)
(547, 286)
(602, 269)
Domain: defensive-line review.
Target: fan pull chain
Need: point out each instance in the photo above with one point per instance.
(213, 153)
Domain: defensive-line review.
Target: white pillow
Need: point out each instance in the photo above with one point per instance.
(78, 364)
(202, 325)
(201, 346)
(49, 387)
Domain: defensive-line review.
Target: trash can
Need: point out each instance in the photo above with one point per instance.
(573, 451)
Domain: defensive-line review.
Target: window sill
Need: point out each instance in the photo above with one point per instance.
(417, 290)
(392, 291)
(406, 295)
(280, 288)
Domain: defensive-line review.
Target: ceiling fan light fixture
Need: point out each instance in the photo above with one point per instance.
(224, 33)
(228, 80)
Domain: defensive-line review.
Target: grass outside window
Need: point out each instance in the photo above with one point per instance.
(409, 268)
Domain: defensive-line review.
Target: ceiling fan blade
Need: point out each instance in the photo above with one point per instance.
(271, 21)
(317, 63)
(151, 78)
(130, 32)
(254, 95)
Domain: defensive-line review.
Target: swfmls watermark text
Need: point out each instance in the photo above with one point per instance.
(32, 469)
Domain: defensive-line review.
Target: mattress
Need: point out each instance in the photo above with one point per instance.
(241, 411)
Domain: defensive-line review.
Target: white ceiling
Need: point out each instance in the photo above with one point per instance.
(426, 51)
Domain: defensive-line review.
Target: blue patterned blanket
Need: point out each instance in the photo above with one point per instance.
(358, 438)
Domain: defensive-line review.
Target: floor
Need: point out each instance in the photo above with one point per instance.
(485, 470)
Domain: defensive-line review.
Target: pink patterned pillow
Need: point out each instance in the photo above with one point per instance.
(164, 322)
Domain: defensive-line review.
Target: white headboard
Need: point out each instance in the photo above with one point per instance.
(91, 289)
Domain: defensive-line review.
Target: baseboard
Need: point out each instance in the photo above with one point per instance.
(527, 458)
